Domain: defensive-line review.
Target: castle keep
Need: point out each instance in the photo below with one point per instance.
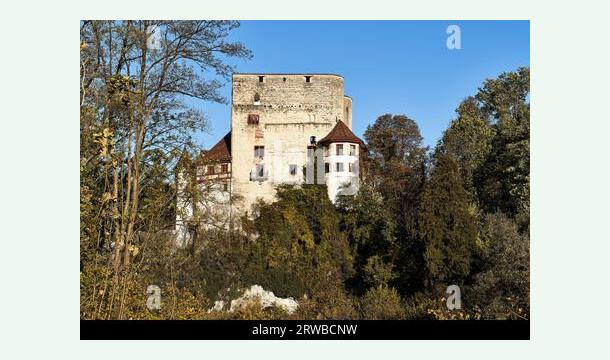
(281, 125)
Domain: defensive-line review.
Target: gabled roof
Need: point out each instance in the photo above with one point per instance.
(219, 152)
(340, 133)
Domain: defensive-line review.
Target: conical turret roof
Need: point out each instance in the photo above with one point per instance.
(340, 133)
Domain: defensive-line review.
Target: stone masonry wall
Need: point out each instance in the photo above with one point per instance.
(290, 110)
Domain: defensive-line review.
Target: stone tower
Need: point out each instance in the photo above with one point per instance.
(280, 123)
(274, 118)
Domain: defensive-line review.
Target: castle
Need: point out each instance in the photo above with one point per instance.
(282, 125)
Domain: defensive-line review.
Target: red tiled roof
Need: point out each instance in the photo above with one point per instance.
(219, 152)
(340, 133)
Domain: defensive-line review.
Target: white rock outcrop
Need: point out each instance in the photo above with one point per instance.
(266, 299)
(218, 306)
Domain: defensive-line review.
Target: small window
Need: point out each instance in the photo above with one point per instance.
(352, 150)
(260, 79)
(225, 186)
(307, 78)
(257, 99)
(252, 119)
(326, 168)
(339, 148)
(351, 167)
(293, 169)
(259, 151)
(339, 167)
(326, 151)
(312, 140)
(224, 168)
(210, 170)
(284, 79)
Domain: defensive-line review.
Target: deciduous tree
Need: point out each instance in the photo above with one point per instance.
(468, 139)
(135, 79)
(503, 180)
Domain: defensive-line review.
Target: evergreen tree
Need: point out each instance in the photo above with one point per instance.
(447, 223)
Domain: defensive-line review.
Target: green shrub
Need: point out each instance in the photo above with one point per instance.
(382, 303)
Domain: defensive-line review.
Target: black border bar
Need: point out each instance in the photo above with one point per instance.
(304, 330)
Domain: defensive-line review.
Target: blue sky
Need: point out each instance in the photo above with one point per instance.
(397, 67)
